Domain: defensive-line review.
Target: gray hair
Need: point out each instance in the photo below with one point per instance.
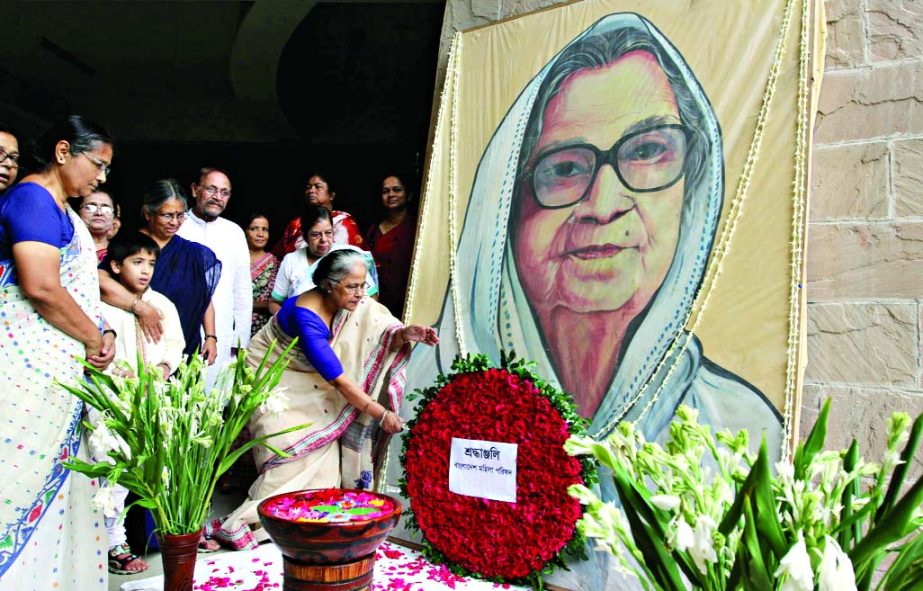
(336, 265)
(162, 191)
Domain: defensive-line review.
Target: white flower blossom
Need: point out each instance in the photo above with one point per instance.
(683, 537)
(103, 501)
(890, 460)
(785, 471)
(795, 568)
(836, 571)
(275, 403)
(703, 547)
(582, 494)
(102, 441)
(577, 445)
(665, 502)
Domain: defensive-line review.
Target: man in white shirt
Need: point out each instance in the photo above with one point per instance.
(233, 299)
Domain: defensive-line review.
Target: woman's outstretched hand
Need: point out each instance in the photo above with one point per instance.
(421, 334)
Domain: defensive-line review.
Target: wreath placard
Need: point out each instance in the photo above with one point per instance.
(496, 540)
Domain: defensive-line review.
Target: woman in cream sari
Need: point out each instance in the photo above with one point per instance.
(348, 345)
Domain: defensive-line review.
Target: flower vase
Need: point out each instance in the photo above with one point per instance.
(178, 553)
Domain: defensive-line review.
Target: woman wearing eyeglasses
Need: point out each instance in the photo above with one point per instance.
(589, 261)
(319, 191)
(9, 156)
(187, 273)
(97, 210)
(346, 379)
(50, 311)
(296, 271)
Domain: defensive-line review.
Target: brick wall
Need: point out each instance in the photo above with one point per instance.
(865, 247)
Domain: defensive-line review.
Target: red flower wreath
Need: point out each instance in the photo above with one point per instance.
(494, 539)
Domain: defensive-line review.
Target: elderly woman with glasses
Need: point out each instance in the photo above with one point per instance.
(97, 210)
(590, 223)
(187, 273)
(9, 156)
(346, 380)
(296, 271)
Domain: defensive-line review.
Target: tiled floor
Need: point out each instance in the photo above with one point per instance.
(222, 504)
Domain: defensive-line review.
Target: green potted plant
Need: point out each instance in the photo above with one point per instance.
(168, 441)
(702, 512)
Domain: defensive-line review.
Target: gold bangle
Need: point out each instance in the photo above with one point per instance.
(381, 421)
(131, 308)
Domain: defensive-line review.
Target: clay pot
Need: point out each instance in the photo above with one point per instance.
(178, 553)
(328, 556)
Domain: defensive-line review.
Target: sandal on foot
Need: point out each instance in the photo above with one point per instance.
(208, 545)
(119, 559)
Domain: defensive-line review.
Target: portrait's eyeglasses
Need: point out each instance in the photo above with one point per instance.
(212, 190)
(100, 165)
(167, 217)
(357, 288)
(102, 209)
(645, 161)
(328, 234)
(12, 157)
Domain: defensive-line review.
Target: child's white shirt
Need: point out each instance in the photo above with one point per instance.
(129, 336)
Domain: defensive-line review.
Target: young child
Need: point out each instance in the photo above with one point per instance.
(131, 260)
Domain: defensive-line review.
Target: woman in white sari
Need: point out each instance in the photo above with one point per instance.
(346, 379)
(49, 303)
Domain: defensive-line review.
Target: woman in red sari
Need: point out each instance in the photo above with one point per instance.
(320, 191)
(263, 267)
(391, 242)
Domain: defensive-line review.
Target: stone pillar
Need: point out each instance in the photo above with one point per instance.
(865, 245)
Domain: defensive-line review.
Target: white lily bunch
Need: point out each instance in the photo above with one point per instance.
(169, 441)
(702, 512)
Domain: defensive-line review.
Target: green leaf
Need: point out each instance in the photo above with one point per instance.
(907, 567)
(648, 533)
(100, 470)
(812, 445)
(755, 573)
(900, 472)
(846, 534)
(894, 525)
(764, 504)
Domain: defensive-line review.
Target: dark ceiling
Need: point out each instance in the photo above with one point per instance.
(269, 88)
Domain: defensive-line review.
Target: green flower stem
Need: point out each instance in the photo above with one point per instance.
(178, 436)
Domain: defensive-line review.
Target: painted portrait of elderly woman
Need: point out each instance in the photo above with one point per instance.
(591, 219)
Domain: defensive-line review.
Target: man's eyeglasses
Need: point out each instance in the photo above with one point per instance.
(94, 207)
(168, 217)
(13, 158)
(328, 234)
(212, 190)
(645, 161)
(357, 288)
(100, 165)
